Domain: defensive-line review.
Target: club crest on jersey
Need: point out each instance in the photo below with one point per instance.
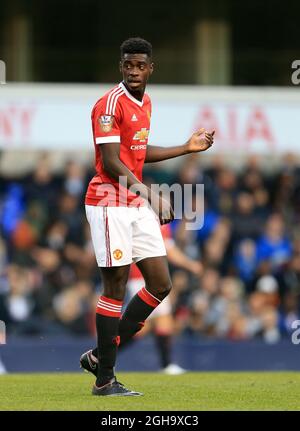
(141, 135)
(106, 122)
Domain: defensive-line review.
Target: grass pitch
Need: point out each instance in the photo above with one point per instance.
(190, 391)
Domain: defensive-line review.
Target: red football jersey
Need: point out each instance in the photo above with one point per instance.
(119, 117)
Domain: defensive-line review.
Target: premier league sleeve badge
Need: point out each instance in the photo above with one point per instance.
(106, 122)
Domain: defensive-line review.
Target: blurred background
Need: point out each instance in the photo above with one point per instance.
(219, 64)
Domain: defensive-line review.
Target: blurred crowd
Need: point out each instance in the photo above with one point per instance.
(249, 247)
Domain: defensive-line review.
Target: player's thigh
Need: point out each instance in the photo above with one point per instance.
(111, 232)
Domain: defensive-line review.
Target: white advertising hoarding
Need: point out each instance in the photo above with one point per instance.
(246, 119)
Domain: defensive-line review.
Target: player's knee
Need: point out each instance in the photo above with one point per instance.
(164, 289)
(167, 288)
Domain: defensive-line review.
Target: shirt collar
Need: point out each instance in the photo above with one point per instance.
(138, 102)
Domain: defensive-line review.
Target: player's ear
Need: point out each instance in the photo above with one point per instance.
(120, 66)
(151, 68)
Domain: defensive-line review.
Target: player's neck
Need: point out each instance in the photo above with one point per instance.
(139, 94)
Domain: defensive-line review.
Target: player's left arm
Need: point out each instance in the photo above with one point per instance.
(199, 141)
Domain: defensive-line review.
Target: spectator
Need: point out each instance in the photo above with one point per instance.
(74, 180)
(18, 306)
(42, 186)
(245, 221)
(72, 309)
(245, 262)
(249, 247)
(274, 246)
(289, 313)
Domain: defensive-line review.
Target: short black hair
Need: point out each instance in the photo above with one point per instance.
(136, 45)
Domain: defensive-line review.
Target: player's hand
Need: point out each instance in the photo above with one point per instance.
(163, 209)
(200, 141)
(166, 212)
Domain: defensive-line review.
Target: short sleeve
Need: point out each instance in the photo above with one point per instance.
(106, 127)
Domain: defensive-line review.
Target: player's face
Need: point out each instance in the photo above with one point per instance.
(136, 69)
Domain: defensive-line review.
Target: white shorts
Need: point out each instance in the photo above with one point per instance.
(164, 308)
(122, 235)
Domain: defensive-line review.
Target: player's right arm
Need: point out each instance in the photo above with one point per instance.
(115, 168)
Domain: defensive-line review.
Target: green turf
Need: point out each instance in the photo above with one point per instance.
(191, 391)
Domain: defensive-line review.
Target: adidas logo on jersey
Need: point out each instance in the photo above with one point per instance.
(134, 118)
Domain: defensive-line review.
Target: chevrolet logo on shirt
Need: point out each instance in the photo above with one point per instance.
(141, 135)
(138, 147)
